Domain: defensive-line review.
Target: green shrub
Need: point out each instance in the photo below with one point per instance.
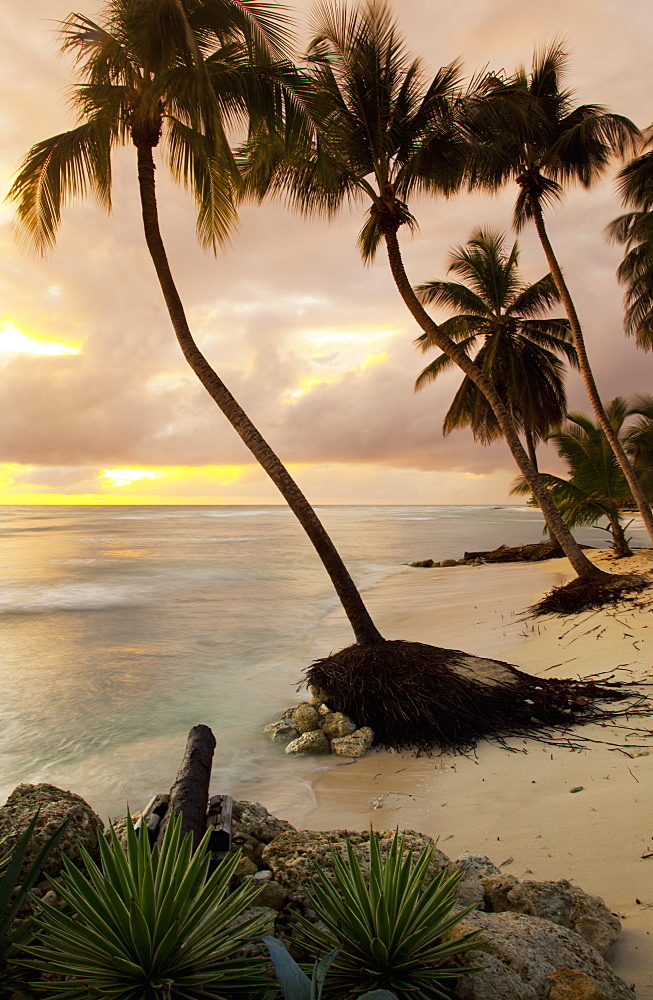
(392, 928)
(149, 926)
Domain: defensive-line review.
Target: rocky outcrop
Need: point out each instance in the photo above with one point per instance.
(54, 806)
(523, 957)
(535, 552)
(538, 940)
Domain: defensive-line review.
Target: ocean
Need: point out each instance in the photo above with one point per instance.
(121, 627)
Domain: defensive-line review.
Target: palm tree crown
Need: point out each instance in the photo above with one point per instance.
(519, 347)
(635, 231)
(156, 71)
(596, 486)
(532, 132)
(382, 131)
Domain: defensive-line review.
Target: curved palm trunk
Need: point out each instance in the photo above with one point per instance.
(634, 484)
(581, 564)
(530, 447)
(359, 618)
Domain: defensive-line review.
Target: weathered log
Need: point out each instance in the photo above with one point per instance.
(152, 815)
(218, 821)
(190, 793)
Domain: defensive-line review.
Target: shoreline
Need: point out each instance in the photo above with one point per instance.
(519, 807)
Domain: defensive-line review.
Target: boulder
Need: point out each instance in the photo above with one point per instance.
(477, 864)
(570, 985)
(54, 805)
(281, 731)
(313, 742)
(294, 855)
(560, 902)
(337, 725)
(357, 744)
(306, 718)
(272, 895)
(505, 892)
(518, 953)
(253, 820)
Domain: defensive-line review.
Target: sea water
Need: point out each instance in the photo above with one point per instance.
(121, 627)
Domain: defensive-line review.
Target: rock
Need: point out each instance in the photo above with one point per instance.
(424, 564)
(505, 892)
(317, 695)
(313, 742)
(518, 953)
(592, 919)
(272, 895)
(477, 864)
(469, 891)
(570, 985)
(55, 806)
(337, 725)
(568, 906)
(282, 731)
(550, 900)
(253, 820)
(448, 562)
(293, 856)
(323, 709)
(357, 744)
(306, 718)
(244, 869)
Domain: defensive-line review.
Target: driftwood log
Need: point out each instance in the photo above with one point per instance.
(190, 793)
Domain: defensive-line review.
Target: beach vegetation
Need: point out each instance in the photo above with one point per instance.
(537, 136)
(149, 925)
(384, 132)
(502, 322)
(175, 78)
(595, 487)
(634, 231)
(295, 984)
(394, 924)
(16, 883)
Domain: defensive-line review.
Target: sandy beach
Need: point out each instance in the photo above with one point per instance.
(540, 812)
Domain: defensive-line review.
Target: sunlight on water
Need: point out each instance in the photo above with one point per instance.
(121, 630)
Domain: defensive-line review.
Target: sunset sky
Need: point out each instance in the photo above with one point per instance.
(98, 406)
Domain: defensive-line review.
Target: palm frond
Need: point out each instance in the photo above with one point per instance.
(58, 170)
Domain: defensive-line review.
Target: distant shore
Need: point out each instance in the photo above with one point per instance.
(518, 808)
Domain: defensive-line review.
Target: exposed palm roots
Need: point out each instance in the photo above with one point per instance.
(585, 595)
(426, 698)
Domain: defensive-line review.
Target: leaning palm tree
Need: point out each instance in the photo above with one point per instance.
(635, 231)
(596, 485)
(535, 134)
(516, 345)
(383, 134)
(177, 74)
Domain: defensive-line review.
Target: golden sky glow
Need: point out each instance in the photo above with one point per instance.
(16, 341)
(97, 405)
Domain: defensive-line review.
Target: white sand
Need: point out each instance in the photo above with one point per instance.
(518, 808)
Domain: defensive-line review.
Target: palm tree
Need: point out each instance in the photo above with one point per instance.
(383, 134)
(635, 231)
(519, 348)
(180, 71)
(596, 485)
(539, 138)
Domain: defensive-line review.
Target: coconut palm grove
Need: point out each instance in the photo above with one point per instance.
(218, 95)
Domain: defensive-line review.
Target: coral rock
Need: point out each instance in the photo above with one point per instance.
(306, 718)
(337, 725)
(357, 744)
(313, 742)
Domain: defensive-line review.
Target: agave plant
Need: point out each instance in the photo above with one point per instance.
(148, 925)
(14, 889)
(393, 925)
(295, 984)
